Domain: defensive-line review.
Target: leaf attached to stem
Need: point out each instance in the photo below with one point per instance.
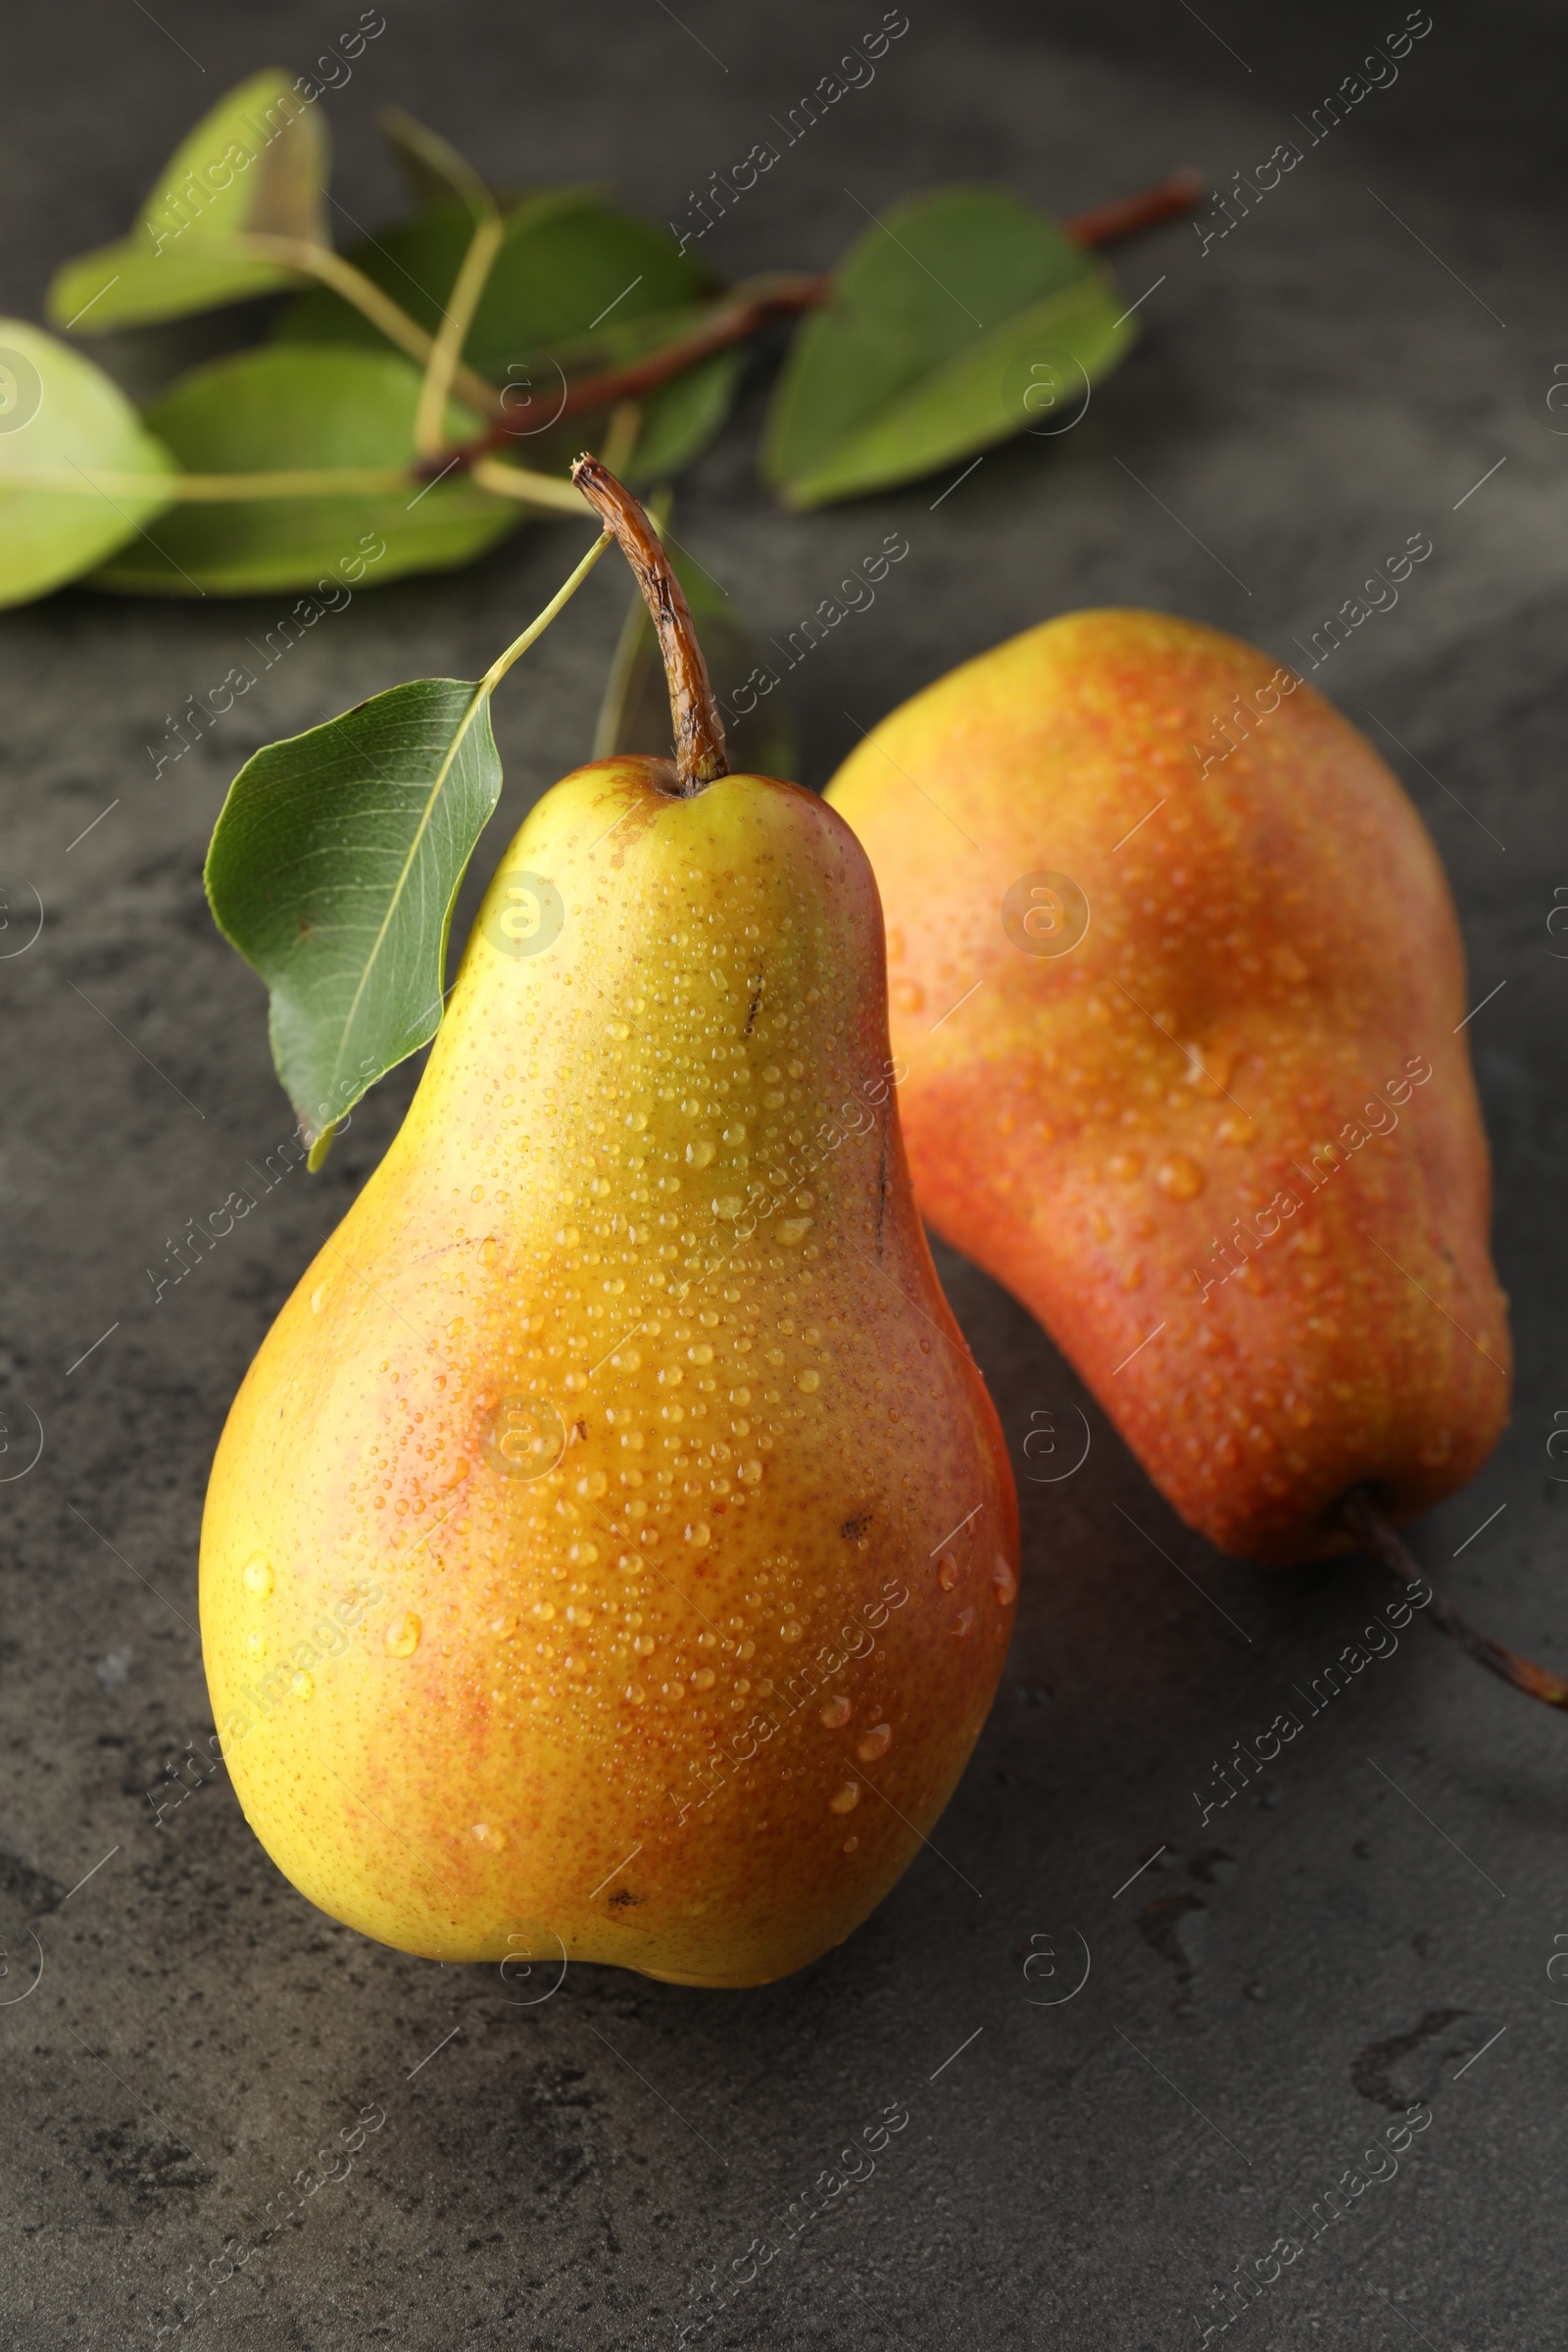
(256, 166)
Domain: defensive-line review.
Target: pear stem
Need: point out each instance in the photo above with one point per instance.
(1381, 1538)
(699, 730)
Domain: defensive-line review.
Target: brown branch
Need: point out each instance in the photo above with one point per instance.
(1108, 224)
(699, 730)
(756, 305)
(1372, 1527)
(757, 302)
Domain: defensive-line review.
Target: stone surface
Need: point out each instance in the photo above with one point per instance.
(1344, 1937)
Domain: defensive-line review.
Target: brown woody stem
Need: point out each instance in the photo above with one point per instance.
(1166, 199)
(699, 730)
(1376, 1531)
(756, 305)
(757, 302)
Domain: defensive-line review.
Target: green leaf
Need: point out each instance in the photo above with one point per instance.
(634, 716)
(954, 322)
(682, 416)
(567, 257)
(333, 870)
(567, 260)
(63, 428)
(285, 407)
(256, 166)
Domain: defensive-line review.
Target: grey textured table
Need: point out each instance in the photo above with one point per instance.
(1352, 1933)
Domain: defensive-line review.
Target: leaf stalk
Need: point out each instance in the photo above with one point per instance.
(447, 348)
(538, 625)
(331, 269)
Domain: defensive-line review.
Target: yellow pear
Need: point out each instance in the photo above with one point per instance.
(611, 1551)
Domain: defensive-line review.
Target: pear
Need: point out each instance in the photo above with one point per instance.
(1180, 985)
(611, 1549)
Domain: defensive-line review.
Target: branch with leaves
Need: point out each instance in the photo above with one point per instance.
(432, 386)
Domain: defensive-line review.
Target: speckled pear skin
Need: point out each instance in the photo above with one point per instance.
(1271, 961)
(751, 1620)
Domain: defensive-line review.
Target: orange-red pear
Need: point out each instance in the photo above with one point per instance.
(1181, 988)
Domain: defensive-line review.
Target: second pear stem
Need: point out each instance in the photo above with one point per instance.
(1383, 1540)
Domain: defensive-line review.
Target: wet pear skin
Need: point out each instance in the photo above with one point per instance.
(1271, 961)
(611, 1481)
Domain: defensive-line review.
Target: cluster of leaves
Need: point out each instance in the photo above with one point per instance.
(432, 385)
(428, 390)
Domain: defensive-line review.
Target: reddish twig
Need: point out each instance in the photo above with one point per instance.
(1108, 223)
(731, 323)
(1376, 1531)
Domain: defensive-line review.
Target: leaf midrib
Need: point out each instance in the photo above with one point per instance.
(476, 701)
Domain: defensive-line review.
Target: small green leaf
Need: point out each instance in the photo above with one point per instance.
(634, 716)
(682, 416)
(334, 871)
(256, 166)
(65, 427)
(286, 407)
(954, 323)
(567, 260)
